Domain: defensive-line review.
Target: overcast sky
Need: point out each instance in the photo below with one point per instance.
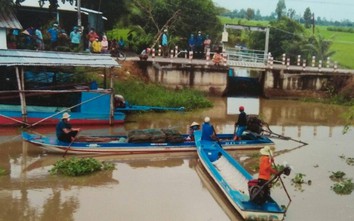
(329, 9)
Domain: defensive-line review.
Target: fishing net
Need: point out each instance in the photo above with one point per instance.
(154, 136)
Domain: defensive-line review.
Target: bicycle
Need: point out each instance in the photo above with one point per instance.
(120, 55)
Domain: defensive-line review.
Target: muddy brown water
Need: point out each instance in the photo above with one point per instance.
(175, 186)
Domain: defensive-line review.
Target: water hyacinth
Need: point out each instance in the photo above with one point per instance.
(79, 166)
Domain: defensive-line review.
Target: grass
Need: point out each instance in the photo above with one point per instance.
(151, 94)
(117, 33)
(343, 45)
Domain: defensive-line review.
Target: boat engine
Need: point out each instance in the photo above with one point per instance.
(256, 192)
(259, 194)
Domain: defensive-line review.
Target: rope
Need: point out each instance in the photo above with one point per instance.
(13, 119)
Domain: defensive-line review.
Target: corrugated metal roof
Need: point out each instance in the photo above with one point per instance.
(66, 6)
(9, 20)
(50, 58)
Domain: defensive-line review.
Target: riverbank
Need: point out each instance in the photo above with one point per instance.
(343, 90)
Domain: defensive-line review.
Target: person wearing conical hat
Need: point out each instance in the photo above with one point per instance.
(265, 168)
(193, 127)
(241, 124)
(64, 130)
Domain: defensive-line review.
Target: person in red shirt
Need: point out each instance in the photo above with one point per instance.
(91, 37)
(265, 169)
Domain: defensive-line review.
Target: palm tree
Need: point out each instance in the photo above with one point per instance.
(318, 46)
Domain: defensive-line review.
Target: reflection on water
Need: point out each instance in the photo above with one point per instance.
(217, 194)
(251, 105)
(173, 186)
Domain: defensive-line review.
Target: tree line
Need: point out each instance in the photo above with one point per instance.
(307, 17)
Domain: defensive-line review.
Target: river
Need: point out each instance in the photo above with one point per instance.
(158, 187)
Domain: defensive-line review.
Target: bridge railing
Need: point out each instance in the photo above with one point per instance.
(246, 55)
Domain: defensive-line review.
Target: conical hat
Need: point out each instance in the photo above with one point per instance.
(194, 124)
(266, 151)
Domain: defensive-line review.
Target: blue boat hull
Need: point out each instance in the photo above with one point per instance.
(119, 145)
(233, 179)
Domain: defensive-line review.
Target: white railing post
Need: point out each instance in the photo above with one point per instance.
(313, 61)
(304, 64)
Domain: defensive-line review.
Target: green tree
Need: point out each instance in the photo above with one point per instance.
(291, 13)
(280, 9)
(308, 17)
(250, 14)
(318, 46)
(193, 15)
(286, 36)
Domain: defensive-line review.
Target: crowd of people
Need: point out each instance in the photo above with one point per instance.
(55, 38)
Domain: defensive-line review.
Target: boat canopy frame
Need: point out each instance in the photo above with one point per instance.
(29, 58)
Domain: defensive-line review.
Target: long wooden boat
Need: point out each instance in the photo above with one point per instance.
(85, 114)
(121, 144)
(233, 179)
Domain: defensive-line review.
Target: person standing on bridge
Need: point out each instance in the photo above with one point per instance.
(191, 43)
(164, 43)
(241, 124)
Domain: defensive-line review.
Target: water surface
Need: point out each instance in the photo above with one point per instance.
(175, 186)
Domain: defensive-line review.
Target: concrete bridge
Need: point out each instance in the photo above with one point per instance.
(202, 74)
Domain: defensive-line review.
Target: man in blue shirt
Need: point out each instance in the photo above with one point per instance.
(64, 130)
(164, 43)
(208, 132)
(75, 38)
(54, 33)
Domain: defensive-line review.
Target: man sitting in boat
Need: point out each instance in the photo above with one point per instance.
(194, 126)
(265, 169)
(119, 101)
(208, 131)
(64, 130)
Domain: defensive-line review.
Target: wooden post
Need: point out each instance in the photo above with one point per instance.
(104, 79)
(111, 115)
(20, 84)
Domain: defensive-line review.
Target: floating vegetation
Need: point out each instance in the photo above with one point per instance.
(350, 161)
(79, 166)
(344, 187)
(337, 176)
(298, 180)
